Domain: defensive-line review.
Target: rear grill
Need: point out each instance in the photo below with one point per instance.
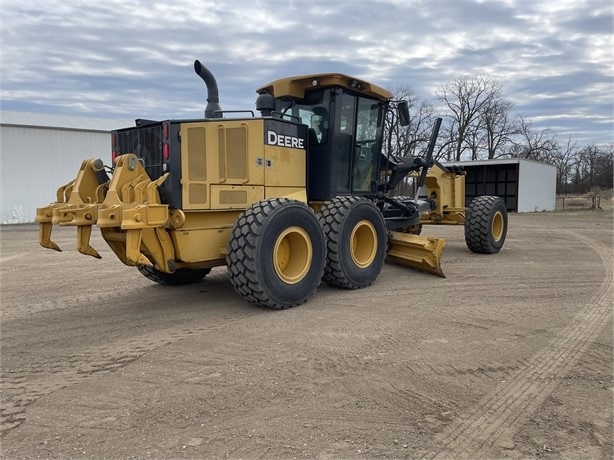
(145, 143)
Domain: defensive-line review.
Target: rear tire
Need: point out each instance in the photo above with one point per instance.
(276, 253)
(356, 239)
(486, 224)
(180, 277)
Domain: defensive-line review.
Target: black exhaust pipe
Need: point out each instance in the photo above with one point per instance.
(213, 109)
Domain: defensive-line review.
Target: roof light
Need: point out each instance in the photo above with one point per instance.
(356, 85)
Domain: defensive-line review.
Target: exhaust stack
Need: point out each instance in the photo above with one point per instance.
(213, 100)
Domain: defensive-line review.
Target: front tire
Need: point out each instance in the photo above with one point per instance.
(356, 239)
(486, 224)
(180, 277)
(276, 253)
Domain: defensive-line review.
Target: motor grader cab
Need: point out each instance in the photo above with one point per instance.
(286, 199)
(346, 122)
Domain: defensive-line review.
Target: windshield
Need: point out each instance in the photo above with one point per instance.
(311, 111)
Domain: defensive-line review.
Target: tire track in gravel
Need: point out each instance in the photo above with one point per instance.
(69, 299)
(55, 304)
(499, 415)
(20, 390)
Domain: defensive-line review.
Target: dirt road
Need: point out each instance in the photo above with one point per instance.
(510, 356)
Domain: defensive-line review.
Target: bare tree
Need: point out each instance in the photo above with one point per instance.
(563, 158)
(533, 144)
(467, 98)
(498, 127)
(594, 168)
(413, 139)
(448, 135)
(475, 137)
(410, 140)
(605, 167)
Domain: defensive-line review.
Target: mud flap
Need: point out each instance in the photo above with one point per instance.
(421, 253)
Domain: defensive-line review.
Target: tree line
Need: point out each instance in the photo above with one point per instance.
(480, 123)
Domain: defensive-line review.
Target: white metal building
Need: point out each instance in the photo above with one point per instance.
(525, 185)
(40, 152)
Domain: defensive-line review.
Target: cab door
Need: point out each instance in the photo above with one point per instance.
(359, 144)
(367, 145)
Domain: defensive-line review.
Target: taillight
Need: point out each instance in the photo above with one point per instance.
(165, 129)
(113, 147)
(165, 136)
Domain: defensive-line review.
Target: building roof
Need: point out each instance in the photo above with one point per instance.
(56, 121)
(501, 161)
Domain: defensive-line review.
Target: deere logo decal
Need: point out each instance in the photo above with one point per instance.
(281, 140)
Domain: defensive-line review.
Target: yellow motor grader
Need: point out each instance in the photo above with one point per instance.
(296, 195)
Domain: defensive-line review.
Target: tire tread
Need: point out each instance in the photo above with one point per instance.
(478, 224)
(181, 277)
(332, 219)
(241, 255)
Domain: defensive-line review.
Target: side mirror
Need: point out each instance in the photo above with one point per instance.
(403, 109)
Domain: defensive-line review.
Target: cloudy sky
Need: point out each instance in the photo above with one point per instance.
(134, 58)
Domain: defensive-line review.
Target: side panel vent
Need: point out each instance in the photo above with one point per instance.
(232, 144)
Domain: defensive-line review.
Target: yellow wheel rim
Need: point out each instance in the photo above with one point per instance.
(363, 244)
(497, 226)
(292, 255)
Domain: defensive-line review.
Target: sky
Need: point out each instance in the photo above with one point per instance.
(134, 58)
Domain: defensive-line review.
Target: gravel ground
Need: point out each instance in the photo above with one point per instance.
(510, 356)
